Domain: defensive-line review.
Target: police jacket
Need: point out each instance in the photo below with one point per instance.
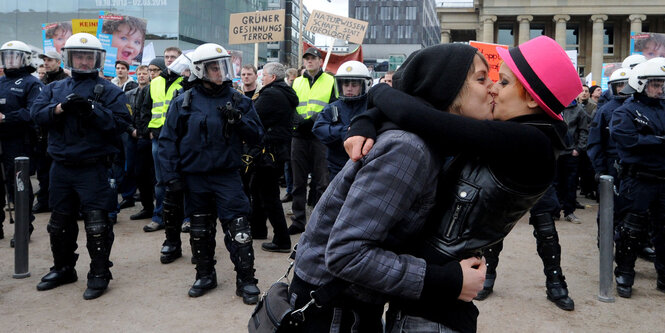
(18, 91)
(314, 93)
(73, 138)
(331, 126)
(196, 138)
(600, 146)
(276, 105)
(638, 128)
(578, 127)
(56, 75)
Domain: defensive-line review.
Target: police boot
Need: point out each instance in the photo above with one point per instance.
(63, 232)
(647, 253)
(99, 241)
(240, 238)
(630, 233)
(660, 284)
(549, 250)
(491, 261)
(203, 251)
(2, 232)
(172, 215)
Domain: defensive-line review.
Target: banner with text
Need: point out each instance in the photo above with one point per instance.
(339, 27)
(338, 59)
(492, 56)
(257, 27)
(85, 25)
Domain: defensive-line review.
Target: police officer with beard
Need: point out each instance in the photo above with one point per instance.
(18, 90)
(84, 115)
(199, 150)
(638, 129)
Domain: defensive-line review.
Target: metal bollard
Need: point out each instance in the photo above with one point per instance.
(606, 241)
(22, 210)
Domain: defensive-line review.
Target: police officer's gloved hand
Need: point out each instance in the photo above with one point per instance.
(231, 114)
(77, 105)
(306, 125)
(175, 185)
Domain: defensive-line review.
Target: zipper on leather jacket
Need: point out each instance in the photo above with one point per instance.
(453, 221)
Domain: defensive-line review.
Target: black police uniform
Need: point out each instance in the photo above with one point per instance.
(200, 151)
(638, 129)
(18, 91)
(81, 141)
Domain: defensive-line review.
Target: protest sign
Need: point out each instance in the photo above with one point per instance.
(123, 38)
(338, 27)
(85, 25)
(492, 56)
(257, 27)
(650, 44)
(54, 35)
(608, 69)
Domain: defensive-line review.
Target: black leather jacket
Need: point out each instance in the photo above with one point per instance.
(475, 209)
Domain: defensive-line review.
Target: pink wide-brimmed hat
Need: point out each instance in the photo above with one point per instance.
(546, 72)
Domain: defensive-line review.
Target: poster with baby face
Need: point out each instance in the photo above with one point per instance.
(648, 44)
(123, 38)
(54, 35)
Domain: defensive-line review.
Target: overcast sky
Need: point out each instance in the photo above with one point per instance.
(337, 7)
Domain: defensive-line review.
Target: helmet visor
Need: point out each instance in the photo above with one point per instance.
(349, 87)
(654, 88)
(10, 59)
(83, 60)
(180, 65)
(617, 86)
(217, 70)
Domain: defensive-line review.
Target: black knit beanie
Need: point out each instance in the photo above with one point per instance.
(436, 73)
(159, 62)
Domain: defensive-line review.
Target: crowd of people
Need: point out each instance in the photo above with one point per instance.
(415, 180)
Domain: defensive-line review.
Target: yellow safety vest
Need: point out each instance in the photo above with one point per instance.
(161, 98)
(313, 99)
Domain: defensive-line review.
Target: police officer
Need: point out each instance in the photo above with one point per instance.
(84, 115)
(638, 128)
(199, 150)
(352, 82)
(18, 90)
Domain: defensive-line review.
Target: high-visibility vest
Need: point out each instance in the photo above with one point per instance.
(161, 98)
(312, 100)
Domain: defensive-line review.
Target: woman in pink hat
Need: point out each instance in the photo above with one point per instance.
(496, 170)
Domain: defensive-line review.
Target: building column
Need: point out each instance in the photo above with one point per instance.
(525, 26)
(560, 31)
(488, 28)
(445, 36)
(597, 46)
(636, 22)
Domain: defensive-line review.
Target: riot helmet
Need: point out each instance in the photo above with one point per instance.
(211, 62)
(618, 80)
(15, 55)
(352, 81)
(648, 78)
(633, 60)
(83, 53)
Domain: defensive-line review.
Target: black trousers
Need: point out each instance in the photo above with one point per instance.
(264, 189)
